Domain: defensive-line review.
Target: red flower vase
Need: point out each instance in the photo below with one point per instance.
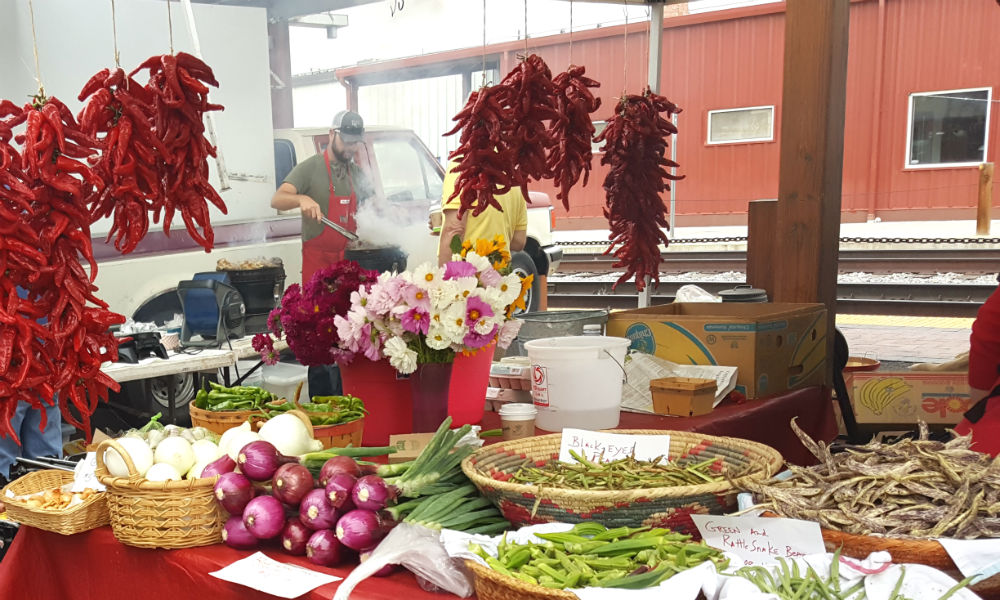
(429, 386)
(386, 395)
(470, 376)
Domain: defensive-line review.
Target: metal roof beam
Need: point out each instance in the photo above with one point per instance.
(282, 10)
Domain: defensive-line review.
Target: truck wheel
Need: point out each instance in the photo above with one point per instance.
(524, 266)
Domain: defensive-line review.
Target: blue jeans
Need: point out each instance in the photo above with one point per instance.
(34, 443)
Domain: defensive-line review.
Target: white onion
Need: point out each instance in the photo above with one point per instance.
(289, 435)
(238, 440)
(205, 451)
(176, 451)
(163, 472)
(137, 450)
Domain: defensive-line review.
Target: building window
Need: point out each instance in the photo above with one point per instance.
(599, 127)
(738, 125)
(948, 128)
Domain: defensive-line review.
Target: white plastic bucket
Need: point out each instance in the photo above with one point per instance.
(576, 381)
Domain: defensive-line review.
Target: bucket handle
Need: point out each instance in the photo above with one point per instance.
(620, 366)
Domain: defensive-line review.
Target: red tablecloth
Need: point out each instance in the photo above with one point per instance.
(765, 421)
(94, 565)
(48, 566)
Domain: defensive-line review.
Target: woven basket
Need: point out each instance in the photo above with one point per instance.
(340, 436)
(491, 585)
(921, 552)
(159, 514)
(669, 507)
(219, 421)
(87, 515)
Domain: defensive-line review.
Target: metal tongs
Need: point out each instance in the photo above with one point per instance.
(48, 463)
(350, 235)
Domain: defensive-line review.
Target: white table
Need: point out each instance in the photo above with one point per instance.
(192, 360)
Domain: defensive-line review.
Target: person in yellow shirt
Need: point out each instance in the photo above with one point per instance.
(512, 223)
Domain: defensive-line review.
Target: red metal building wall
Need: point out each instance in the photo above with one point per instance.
(733, 59)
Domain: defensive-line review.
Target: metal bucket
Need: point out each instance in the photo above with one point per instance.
(556, 323)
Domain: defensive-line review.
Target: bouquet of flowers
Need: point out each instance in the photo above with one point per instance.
(306, 315)
(431, 313)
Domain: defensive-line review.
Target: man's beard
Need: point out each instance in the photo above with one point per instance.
(340, 155)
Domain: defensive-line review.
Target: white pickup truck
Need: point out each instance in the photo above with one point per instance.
(407, 175)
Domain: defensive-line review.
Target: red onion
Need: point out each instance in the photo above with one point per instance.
(339, 487)
(338, 464)
(295, 536)
(235, 534)
(233, 491)
(259, 459)
(371, 493)
(221, 465)
(316, 511)
(323, 548)
(264, 517)
(291, 482)
(384, 571)
(359, 529)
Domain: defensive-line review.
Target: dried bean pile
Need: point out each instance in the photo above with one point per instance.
(910, 489)
(46, 233)
(635, 143)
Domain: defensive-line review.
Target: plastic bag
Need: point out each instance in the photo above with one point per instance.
(693, 293)
(419, 549)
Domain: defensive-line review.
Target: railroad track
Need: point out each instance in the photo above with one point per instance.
(972, 261)
(852, 298)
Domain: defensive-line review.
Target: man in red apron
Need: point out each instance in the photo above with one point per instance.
(327, 185)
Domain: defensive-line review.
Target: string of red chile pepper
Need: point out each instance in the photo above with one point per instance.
(118, 111)
(505, 139)
(635, 143)
(178, 85)
(571, 153)
(55, 333)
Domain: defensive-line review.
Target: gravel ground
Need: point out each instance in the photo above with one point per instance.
(858, 277)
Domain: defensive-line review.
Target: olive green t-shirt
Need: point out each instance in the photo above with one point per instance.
(310, 178)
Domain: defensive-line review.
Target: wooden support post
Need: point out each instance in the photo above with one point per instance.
(282, 116)
(985, 199)
(762, 221)
(812, 155)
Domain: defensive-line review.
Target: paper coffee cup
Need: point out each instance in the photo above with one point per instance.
(517, 420)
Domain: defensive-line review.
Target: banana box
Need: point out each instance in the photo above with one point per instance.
(905, 397)
(775, 346)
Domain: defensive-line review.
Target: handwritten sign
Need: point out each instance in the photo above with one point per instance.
(759, 540)
(261, 573)
(605, 447)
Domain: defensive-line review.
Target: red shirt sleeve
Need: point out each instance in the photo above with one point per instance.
(984, 344)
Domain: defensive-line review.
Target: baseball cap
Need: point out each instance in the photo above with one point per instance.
(350, 125)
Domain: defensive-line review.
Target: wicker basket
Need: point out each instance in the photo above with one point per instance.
(219, 421)
(159, 514)
(491, 585)
(921, 552)
(87, 515)
(340, 436)
(669, 507)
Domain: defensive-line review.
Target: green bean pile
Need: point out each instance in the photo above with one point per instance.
(325, 410)
(790, 583)
(590, 555)
(623, 474)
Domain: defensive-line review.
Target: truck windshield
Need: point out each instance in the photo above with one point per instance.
(407, 172)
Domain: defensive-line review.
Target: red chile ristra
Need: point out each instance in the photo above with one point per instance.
(635, 142)
(571, 154)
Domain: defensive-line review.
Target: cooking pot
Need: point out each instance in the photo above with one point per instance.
(388, 259)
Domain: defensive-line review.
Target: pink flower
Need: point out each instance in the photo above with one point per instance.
(476, 309)
(459, 268)
(417, 297)
(508, 332)
(385, 295)
(490, 277)
(475, 340)
(416, 320)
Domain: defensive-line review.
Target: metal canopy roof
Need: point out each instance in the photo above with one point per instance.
(283, 10)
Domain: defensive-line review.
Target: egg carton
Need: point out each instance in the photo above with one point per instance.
(510, 377)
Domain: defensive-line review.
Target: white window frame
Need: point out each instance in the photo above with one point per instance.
(708, 130)
(909, 129)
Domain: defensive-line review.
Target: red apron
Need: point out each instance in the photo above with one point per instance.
(328, 247)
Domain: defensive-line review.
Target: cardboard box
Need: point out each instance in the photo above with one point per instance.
(904, 397)
(775, 346)
(682, 396)
(408, 446)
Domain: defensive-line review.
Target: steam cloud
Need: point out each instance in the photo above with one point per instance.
(383, 224)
